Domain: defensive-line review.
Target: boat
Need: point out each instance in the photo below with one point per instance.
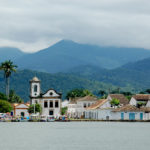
(34, 118)
(50, 119)
(43, 118)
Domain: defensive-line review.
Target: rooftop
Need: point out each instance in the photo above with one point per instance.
(130, 108)
(142, 97)
(123, 100)
(35, 79)
(87, 98)
(98, 104)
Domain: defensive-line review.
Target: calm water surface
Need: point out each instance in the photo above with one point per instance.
(75, 136)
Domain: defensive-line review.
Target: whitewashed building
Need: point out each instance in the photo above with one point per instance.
(100, 111)
(140, 98)
(20, 110)
(50, 100)
(76, 107)
(130, 112)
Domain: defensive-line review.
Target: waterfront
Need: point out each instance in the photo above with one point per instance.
(75, 136)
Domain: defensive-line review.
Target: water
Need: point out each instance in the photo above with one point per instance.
(75, 136)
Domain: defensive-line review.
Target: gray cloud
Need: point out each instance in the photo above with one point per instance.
(35, 24)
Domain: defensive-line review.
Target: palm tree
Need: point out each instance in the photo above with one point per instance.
(8, 67)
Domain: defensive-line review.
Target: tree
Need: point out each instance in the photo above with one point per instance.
(140, 104)
(5, 106)
(38, 108)
(3, 96)
(114, 102)
(102, 92)
(64, 110)
(78, 93)
(8, 67)
(14, 98)
(148, 91)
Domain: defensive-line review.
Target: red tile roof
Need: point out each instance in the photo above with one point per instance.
(123, 100)
(142, 97)
(97, 104)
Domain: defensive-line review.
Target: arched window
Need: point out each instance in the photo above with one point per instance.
(35, 88)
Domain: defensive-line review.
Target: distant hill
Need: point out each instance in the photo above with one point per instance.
(10, 53)
(66, 55)
(142, 65)
(127, 78)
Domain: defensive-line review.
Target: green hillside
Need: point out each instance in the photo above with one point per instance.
(60, 81)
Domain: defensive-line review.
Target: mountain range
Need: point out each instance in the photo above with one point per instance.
(66, 55)
(67, 65)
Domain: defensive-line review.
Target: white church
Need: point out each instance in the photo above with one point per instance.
(50, 101)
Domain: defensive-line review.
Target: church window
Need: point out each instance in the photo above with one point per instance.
(56, 104)
(35, 88)
(45, 104)
(51, 93)
(51, 104)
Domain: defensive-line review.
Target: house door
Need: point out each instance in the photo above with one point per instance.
(11, 113)
(141, 116)
(131, 116)
(22, 114)
(122, 116)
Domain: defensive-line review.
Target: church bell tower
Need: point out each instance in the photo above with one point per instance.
(35, 87)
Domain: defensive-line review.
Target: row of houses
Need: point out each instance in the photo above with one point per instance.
(91, 108)
(88, 107)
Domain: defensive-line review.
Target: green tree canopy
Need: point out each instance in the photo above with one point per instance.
(64, 110)
(3, 96)
(148, 91)
(5, 106)
(78, 93)
(140, 104)
(14, 98)
(38, 108)
(114, 102)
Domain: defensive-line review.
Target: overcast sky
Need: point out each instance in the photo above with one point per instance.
(35, 24)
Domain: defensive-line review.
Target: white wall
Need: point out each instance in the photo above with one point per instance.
(133, 101)
(104, 114)
(45, 111)
(18, 112)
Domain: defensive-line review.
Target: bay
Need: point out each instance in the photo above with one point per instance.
(75, 136)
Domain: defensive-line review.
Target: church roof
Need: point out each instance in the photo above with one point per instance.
(35, 79)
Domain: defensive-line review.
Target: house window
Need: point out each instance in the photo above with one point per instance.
(51, 104)
(88, 104)
(45, 104)
(56, 104)
(51, 112)
(84, 105)
(35, 88)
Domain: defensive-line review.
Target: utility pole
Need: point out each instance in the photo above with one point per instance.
(34, 108)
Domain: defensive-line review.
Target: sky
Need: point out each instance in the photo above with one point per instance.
(32, 25)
